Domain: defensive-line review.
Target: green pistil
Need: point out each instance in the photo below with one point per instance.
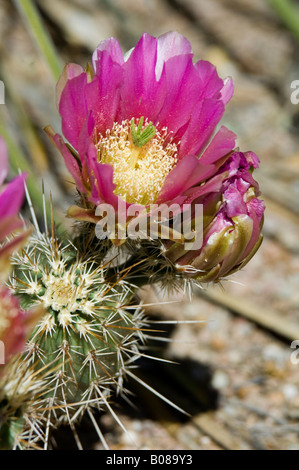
(142, 138)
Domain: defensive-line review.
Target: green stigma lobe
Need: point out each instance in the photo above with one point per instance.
(139, 138)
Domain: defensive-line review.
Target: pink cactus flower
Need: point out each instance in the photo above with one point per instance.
(15, 325)
(11, 195)
(14, 322)
(141, 125)
(12, 325)
(141, 128)
(11, 200)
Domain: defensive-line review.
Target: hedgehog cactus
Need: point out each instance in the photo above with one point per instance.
(87, 338)
(140, 134)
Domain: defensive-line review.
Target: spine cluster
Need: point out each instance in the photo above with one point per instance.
(85, 342)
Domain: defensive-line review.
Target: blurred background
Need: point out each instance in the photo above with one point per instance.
(236, 374)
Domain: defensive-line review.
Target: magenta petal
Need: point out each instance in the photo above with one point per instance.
(192, 92)
(256, 206)
(234, 203)
(200, 174)
(70, 71)
(252, 159)
(102, 94)
(11, 199)
(103, 187)
(112, 48)
(70, 161)
(73, 108)
(4, 165)
(211, 83)
(101, 179)
(170, 45)
(187, 172)
(141, 93)
(213, 185)
(227, 90)
(204, 119)
(85, 136)
(182, 91)
(223, 143)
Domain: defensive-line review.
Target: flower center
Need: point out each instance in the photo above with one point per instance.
(141, 157)
(60, 294)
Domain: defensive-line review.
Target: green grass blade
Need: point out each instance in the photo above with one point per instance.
(40, 35)
(288, 13)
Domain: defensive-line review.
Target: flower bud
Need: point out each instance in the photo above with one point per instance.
(231, 223)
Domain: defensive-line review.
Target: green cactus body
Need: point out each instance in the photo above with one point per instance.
(87, 337)
(21, 387)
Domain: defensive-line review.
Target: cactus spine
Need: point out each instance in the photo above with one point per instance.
(89, 335)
